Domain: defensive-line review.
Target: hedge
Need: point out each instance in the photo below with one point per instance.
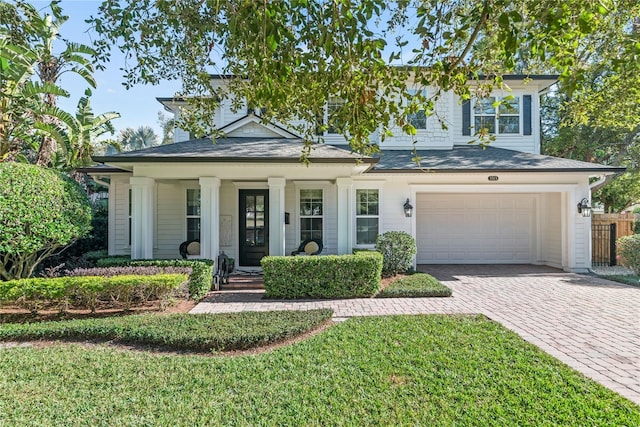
(191, 332)
(87, 291)
(199, 280)
(329, 276)
(629, 249)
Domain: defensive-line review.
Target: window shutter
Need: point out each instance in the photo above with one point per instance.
(526, 114)
(466, 118)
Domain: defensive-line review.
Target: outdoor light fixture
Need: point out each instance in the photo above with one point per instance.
(408, 209)
(584, 208)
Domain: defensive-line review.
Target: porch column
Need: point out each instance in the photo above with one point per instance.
(209, 217)
(276, 216)
(142, 200)
(345, 215)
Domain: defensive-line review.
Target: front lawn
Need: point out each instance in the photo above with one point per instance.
(191, 332)
(629, 279)
(401, 370)
(417, 285)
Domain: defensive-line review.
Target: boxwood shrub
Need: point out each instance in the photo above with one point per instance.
(329, 276)
(200, 278)
(629, 249)
(398, 249)
(88, 291)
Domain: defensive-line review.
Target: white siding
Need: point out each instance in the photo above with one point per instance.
(254, 130)
(552, 234)
(120, 191)
(170, 219)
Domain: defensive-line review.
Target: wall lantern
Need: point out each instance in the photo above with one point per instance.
(584, 208)
(408, 209)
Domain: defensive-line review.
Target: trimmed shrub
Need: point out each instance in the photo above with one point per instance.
(129, 270)
(629, 249)
(398, 249)
(200, 278)
(41, 211)
(88, 291)
(192, 332)
(417, 285)
(329, 276)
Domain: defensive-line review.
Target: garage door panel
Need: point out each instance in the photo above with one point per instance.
(474, 228)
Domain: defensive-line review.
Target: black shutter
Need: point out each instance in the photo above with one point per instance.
(526, 114)
(466, 118)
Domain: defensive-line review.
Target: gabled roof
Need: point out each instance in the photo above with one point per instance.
(252, 150)
(476, 159)
(252, 118)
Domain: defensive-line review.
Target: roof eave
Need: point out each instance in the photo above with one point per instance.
(502, 170)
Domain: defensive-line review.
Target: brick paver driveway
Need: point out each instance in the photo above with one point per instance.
(588, 323)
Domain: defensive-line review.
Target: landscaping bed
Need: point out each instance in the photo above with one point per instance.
(418, 285)
(397, 370)
(628, 279)
(190, 332)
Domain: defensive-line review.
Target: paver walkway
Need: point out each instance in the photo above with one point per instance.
(591, 324)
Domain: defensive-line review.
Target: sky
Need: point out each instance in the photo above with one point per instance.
(137, 106)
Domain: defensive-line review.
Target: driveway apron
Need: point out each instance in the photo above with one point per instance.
(591, 324)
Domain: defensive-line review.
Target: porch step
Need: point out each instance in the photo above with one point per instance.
(243, 282)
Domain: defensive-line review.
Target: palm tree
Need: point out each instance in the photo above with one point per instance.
(135, 139)
(41, 32)
(20, 98)
(78, 140)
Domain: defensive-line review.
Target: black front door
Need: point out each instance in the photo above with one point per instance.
(254, 226)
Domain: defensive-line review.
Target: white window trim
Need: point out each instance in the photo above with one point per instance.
(129, 216)
(519, 95)
(326, 116)
(311, 185)
(185, 216)
(354, 221)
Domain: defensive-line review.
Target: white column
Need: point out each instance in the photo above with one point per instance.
(276, 216)
(345, 216)
(142, 200)
(209, 217)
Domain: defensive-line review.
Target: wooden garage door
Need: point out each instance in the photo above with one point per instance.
(474, 228)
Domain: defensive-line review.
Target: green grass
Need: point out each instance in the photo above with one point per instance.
(402, 370)
(415, 286)
(629, 279)
(194, 332)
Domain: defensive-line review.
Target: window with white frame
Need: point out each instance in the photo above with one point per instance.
(193, 214)
(367, 216)
(499, 116)
(333, 105)
(418, 119)
(311, 214)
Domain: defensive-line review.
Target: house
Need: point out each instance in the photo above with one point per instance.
(249, 196)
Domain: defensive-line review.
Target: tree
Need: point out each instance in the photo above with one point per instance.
(42, 33)
(168, 125)
(32, 126)
(41, 211)
(135, 139)
(293, 56)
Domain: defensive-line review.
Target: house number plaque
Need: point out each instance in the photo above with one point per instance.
(493, 178)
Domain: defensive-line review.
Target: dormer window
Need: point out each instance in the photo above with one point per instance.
(499, 116)
(332, 106)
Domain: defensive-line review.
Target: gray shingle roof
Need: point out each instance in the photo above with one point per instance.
(236, 150)
(475, 158)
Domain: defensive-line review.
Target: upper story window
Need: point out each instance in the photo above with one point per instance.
(311, 214)
(193, 214)
(367, 216)
(418, 119)
(332, 106)
(499, 116)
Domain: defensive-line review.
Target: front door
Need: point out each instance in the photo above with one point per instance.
(254, 226)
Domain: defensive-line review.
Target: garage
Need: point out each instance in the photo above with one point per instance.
(475, 228)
